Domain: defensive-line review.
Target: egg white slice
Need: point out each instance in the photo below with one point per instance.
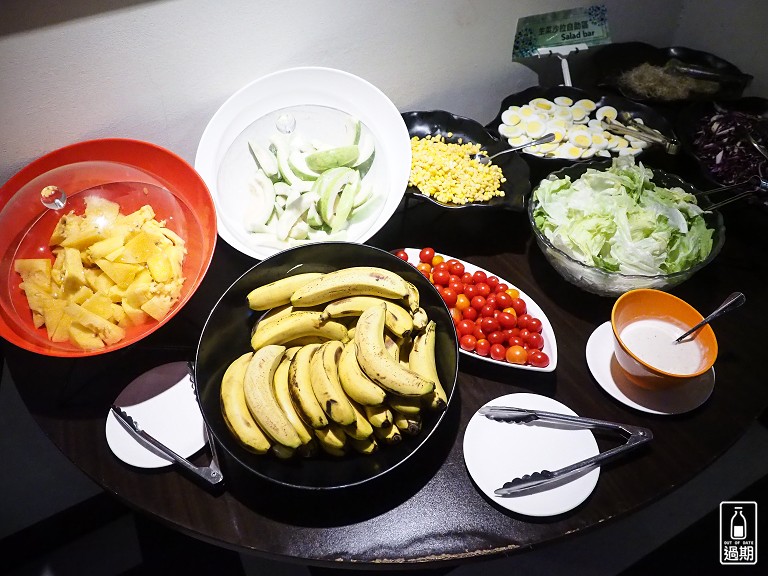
(606, 112)
(587, 104)
(509, 131)
(511, 117)
(563, 101)
(542, 104)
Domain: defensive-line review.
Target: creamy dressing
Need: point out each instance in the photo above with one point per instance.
(653, 341)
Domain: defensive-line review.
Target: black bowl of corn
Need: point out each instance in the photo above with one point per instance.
(444, 169)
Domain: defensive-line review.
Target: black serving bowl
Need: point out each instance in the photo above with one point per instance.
(613, 60)
(515, 170)
(226, 336)
(612, 284)
(540, 166)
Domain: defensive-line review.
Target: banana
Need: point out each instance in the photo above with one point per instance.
(392, 347)
(235, 410)
(354, 281)
(274, 314)
(422, 360)
(279, 292)
(332, 439)
(412, 297)
(420, 319)
(297, 324)
(260, 396)
(300, 386)
(361, 428)
(283, 396)
(324, 375)
(410, 425)
(355, 383)
(376, 361)
(364, 446)
(398, 321)
(388, 435)
(408, 405)
(379, 416)
(283, 452)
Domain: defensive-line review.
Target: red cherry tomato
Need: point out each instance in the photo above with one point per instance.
(538, 359)
(465, 327)
(440, 266)
(470, 314)
(466, 277)
(477, 302)
(449, 297)
(457, 287)
(426, 255)
(496, 337)
(455, 315)
(478, 333)
(468, 342)
(535, 340)
(522, 320)
(492, 282)
(490, 299)
(424, 268)
(516, 355)
(470, 291)
(456, 267)
(498, 352)
(402, 254)
(519, 305)
(487, 311)
(501, 287)
(524, 332)
(489, 324)
(516, 341)
(483, 289)
(483, 347)
(503, 300)
(440, 277)
(534, 324)
(480, 277)
(507, 320)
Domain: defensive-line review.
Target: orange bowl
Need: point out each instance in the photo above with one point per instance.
(645, 323)
(129, 172)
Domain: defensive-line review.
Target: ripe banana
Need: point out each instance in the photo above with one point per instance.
(283, 396)
(398, 321)
(407, 424)
(377, 363)
(260, 396)
(235, 410)
(274, 314)
(388, 435)
(295, 325)
(300, 386)
(379, 416)
(279, 292)
(355, 383)
(361, 428)
(324, 375)
(422, 360)
(408, 405)
(332, 439)
(354, 281)
(412, 298)
(283, 452)
(420, 319)
(365, 445)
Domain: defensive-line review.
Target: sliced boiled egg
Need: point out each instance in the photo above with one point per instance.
(509, 131)
(535, 128)
(587, 104)
(563, 101)
(564, 113)
(588, 153)
(579, 114)
(511, 116)
(526, 110)
(542, 104)
(595, 123)
(580, 138)
(568, 151)
(517, 140)
(559, 128)
(599, 141)
(608, 112)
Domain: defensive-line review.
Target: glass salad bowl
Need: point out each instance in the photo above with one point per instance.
(600, 281)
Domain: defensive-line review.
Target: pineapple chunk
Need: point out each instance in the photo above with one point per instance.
(37, 270)
(83, 337)
(142, 247)
(83, 238)
(136, 316)
(120, 273)
(61, 332)
(73, 273)
(160, 267)
(53, 311)
(158, 306)
(110, 333)
(99, 304)
(103, 248)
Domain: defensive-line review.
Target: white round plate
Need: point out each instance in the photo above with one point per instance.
(609, 375)
(550, 344)
(303, 87)
(162, 401)
(496, 452)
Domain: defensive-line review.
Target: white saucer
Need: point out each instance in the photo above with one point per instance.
(496, 452)
(162, 401)
(609, 375)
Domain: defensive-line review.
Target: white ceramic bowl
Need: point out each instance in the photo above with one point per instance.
(237, 120)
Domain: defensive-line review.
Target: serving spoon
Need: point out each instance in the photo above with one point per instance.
(485, 159)
(731, 303)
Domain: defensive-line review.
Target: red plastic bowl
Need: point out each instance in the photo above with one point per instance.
(176, 193)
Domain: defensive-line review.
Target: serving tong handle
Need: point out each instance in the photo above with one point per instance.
(634, 435)
(642, 132)
(757, 181)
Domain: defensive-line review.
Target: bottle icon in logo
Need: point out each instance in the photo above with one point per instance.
(738, 525)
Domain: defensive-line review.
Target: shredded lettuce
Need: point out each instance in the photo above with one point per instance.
(619, 221)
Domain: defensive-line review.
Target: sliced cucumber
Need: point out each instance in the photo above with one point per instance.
(297, 160)
(343, 209)
(354, 129)
(323, 160)
(265, 160)
(281, 153)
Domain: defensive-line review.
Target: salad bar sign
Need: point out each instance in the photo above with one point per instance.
(561, 32)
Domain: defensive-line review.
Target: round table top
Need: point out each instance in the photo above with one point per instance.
(428, 512)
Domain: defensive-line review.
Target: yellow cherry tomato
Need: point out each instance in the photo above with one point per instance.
(437, 260)
(514, 292)
(462, 302)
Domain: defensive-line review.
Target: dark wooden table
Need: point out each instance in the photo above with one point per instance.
(428, 513)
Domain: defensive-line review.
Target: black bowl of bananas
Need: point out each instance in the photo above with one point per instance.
(326, 366)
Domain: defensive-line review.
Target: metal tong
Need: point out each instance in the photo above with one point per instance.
(634, 435)
(641, 132)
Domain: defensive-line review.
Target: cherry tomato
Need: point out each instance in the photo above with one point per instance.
(538, 359)
(470, 290)
(470, 314)
(519, 306)
(514, 292)
(524, 332)
(465, 327)
(440, 277)
(503, 300)
(439, 289)
(489, 324)
(478, 333)
(492, 282)
(440, 265)
(522, 320)
(426, 255)
(480, 276)
(507, 334)
(468, 342)
(516, 341)
(490, 299)
(455, 315)
(535, 340)
(477, 302)
(437, 260)
(487, 311)
(496, 337)
(516, 355)
(456, 267)
(457, 287)
(483, 289)
(534, 324)
(467, 279)
(462, 301)
(483, 347)
(501, 287)
(424, 268)
(402, 254)
(516, 332)
(449, 297)
(498, 351)
(507, 320)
